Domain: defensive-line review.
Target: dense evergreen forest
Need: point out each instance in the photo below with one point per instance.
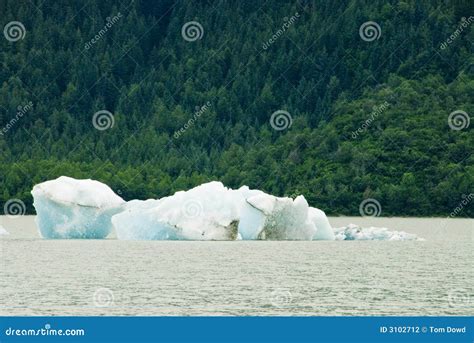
(291, 97)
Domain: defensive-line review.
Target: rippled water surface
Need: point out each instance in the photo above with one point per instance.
(111, 277)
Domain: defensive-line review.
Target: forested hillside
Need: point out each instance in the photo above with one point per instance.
(363, 113)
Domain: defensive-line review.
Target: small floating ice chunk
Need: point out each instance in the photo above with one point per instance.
(355, 232)
(70, 208)
(3, 231)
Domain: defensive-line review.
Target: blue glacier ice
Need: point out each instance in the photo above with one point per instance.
(212, 211)
(70, 208)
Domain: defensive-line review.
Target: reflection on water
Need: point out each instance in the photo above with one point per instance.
(110, 277)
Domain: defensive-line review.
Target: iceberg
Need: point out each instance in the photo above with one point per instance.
(355, 232)
(70, 208)
(212, 211)
(3, 231)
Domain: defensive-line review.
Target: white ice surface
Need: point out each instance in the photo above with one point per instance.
(324, 230)
(213, 212)
(88, 193)
(207, 212)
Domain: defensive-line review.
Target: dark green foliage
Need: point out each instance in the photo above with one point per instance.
(319, 70)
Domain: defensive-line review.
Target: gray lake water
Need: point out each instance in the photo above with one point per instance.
(112, 277)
